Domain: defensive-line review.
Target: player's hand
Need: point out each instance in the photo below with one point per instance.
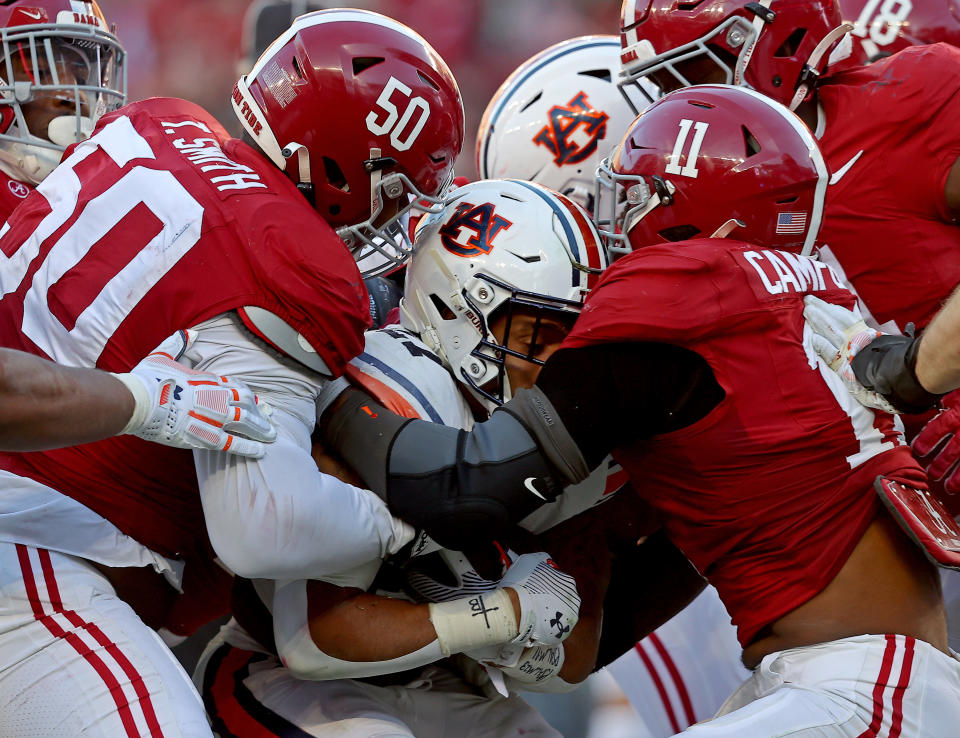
(838, 336)
(549, 602)
(177, 406)
(940, 435)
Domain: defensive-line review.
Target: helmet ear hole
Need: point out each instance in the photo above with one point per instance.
(335, 176)
(445, 312)
(363, 63)
(679, 233)
(789, 47)
(752, 145)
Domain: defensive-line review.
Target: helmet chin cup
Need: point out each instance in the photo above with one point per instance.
(65, 130)
(30, 162)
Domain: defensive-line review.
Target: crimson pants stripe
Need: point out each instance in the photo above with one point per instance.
(658, 683)
(898, 692)
(677, 679)
(878, 689)
(102, 670)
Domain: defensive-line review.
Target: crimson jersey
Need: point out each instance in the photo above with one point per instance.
(890, 138)
(159, 222)
(769, 493)
(12, 193)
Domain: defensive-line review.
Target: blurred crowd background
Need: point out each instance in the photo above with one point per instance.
(197, 49)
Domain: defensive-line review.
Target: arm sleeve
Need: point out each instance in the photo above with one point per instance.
(278, 517)
(465, 487)
(301, 656)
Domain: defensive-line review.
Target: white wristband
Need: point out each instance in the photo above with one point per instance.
(142, 402)
(486, 619)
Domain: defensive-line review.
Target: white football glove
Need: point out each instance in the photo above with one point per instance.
(177, 406)
(549, 602)
(838, 335)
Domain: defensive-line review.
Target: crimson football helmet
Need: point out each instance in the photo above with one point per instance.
(884, 27)
(364, 116)
(713, 160)
(777, 47)
(63, 68)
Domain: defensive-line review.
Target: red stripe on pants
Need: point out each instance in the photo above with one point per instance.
(129, 670)
(112, 683)
(898, 691)
(879, 687)
(664, 697)
(677, 679)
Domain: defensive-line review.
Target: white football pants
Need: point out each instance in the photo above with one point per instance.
(77, 661)
(873, 686)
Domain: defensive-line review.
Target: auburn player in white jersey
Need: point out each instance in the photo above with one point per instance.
(161, 221)
(494, 285)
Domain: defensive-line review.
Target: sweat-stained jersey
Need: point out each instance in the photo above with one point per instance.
(889, 137)
(768, 494)
(159, 222)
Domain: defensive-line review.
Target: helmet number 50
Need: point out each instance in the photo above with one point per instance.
(690, 169)
(395, 123)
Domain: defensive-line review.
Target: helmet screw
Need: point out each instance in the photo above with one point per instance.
(483, 293)
(736, 37)
(776, 80)
(475, 369)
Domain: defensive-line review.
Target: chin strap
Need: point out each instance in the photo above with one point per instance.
(725, 230)
(304, 183)
(810, 73)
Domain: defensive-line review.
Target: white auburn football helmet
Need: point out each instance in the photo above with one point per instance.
(54, 50)
(498, 244)
(557, 115)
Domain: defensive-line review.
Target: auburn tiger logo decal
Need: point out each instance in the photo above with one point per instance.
(484, 223)
(573, 131)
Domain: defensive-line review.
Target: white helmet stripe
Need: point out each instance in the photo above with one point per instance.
(318, 18)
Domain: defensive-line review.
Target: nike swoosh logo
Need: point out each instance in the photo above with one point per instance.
(38, 16)
(838, 175)
(528, 483)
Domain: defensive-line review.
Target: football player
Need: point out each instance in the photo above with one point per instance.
(553, 120)
(493, 287)
(63, 68)
(556, 116)
(882, 28)
(691, 363)
(160, 220)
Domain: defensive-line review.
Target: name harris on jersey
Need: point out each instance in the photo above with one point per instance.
(209, 158)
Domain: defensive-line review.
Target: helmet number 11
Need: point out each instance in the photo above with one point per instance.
(690, 168)
(395, 123)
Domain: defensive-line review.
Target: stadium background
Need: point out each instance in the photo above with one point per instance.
(195, 50)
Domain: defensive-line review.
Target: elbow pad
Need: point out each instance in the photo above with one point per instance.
(466, 488)
(463, 488)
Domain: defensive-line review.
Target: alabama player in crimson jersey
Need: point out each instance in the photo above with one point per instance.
(64, 68)
(160, 220)
(692, 363)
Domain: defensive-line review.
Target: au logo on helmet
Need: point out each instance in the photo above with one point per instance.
(482, 220)
(573, 131)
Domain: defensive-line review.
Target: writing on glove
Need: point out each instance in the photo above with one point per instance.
(177, 406)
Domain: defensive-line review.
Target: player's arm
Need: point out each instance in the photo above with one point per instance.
(323, 631)
(278, 517)
(460, 486)
(43, 405)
